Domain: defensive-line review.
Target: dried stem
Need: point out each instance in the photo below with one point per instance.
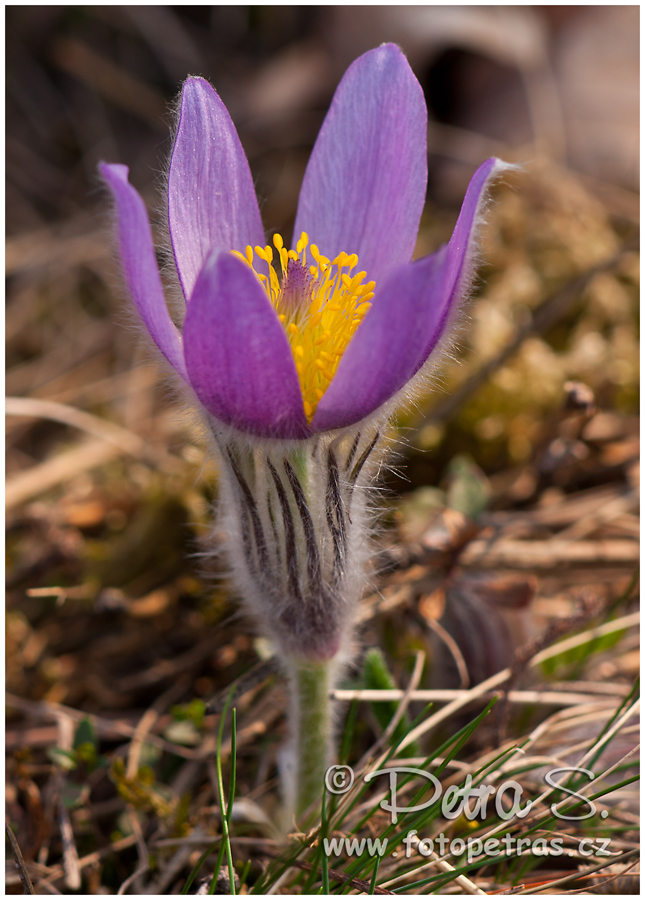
(20, 862)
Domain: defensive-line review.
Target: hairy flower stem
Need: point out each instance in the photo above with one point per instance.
(311, 724)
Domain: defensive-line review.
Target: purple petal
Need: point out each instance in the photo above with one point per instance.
(365, 184)
(238, 358)
(410, 313)
(211, 199)
(140, 265)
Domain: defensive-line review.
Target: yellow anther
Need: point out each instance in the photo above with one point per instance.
(319, 306)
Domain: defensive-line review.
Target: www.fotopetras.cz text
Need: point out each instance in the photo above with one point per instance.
(473, 848)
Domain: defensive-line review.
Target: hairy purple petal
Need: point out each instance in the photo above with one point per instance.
(365, 184)
(410, 313)
(140, 265)
(238, 358)
(211, 199)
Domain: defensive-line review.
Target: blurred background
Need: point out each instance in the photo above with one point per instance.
(108, 486)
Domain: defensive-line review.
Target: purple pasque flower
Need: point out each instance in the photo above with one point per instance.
(284, 343)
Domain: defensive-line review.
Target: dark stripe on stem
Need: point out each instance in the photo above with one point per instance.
(313, 561)
(251, 505)
(276, 540)
(289, 534)
(334, 503)
(352, 451)
(363, 459)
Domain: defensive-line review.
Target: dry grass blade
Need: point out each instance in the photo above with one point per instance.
(552, 556)
(50, 474)
(544, 698)
(27, 885)
(59, 412)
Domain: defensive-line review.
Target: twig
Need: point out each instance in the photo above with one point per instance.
(543, 698)
(27, 885)
(128, 881)
(142, 847)
(70, 853)
(453, 648)
(549, 555)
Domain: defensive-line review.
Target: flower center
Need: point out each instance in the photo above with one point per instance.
(320, 306)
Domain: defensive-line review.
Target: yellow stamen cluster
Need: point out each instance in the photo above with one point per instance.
(320, 306)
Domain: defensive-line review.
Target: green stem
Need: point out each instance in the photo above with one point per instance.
(311, 721)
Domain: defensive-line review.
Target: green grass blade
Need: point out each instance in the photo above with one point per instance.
(377, 862)
(224, 807)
